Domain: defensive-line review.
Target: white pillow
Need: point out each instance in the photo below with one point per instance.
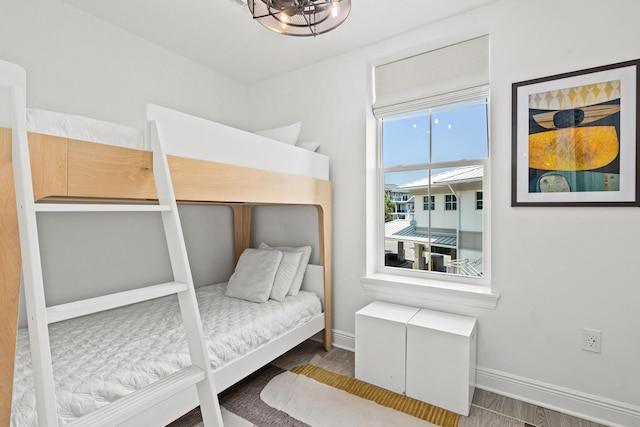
(302, 267)
(286, 275)
(288, 134)
(308, 145)
(254, 275)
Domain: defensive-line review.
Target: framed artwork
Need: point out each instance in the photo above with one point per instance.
(575, 138)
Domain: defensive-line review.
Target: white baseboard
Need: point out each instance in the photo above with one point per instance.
(344, 340)
(594, 408)
(590, 407)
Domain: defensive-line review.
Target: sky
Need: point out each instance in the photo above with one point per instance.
(458, 132)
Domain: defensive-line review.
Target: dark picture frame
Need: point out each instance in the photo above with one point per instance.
(574, 138)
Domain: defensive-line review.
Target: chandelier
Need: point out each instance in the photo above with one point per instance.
(300, 17)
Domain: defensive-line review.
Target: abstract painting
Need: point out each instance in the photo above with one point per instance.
(574, 138)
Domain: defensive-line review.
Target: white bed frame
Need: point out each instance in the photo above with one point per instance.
(229, 374)
(209, 163)
(196, 138)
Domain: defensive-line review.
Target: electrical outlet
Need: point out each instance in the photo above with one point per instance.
(591, 340)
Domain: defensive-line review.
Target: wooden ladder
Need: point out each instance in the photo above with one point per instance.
(198, 375)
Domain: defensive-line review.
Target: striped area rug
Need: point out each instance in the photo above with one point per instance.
(311, 396)
(389, 399)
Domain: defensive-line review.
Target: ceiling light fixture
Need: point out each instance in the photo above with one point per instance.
(300, 17)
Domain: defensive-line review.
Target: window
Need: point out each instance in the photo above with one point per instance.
(450, 202)
(431, 142)
(437, 153)
(429, 203)
(478, 200)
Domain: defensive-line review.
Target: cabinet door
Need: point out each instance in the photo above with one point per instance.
(381, 344)
(441, 360)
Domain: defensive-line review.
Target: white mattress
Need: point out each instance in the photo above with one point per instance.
(83, 128)
(102, 357)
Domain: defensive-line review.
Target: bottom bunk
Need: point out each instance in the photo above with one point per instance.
(105, 356)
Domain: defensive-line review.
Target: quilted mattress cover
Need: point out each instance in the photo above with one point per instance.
(104, 356)
(84, 129)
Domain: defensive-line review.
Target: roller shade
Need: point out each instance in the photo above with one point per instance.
(439, 76)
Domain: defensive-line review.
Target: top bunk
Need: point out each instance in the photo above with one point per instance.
(77, 157)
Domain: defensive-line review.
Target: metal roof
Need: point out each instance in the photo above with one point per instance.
(452, 176)
(403, 230)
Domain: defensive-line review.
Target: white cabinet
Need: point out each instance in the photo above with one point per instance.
(381, 332)
(425, 354)
(441, 359)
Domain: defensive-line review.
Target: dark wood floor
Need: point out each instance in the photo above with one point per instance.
(343, 362)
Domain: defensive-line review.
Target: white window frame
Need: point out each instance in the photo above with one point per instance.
(480, 200)
(419, 285)
(452, 203)
(431, 203)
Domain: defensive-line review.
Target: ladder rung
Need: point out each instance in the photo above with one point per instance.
(58, 313)
(124, 408)
(99, 207)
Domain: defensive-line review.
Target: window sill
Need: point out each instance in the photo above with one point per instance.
(475, 295)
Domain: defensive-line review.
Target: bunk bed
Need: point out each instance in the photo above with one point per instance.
(208, 163)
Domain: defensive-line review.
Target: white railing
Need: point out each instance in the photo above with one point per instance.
(464, 267)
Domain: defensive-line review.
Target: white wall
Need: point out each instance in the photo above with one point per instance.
(557, 269)
(79, 64)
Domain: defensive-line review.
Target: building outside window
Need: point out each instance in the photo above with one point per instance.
(398, 204)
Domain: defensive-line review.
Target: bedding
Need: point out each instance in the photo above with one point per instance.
(305, 252)
(286, 274)
(254, 275)
(288, 134)
(84, 129)
(308, 145)
(104, 356)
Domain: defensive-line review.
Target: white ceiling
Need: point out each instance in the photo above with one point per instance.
(222, 36)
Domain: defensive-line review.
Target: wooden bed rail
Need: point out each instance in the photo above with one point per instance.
(66, 168)
(9, 276)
